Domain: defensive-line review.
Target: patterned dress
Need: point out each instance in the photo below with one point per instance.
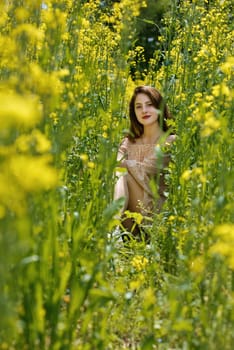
(143, 165)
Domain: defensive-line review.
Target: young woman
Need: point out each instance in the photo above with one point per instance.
(137, 153)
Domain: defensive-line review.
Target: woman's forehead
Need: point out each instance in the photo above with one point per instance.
(141, 97)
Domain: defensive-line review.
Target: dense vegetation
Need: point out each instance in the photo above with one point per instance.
(65, 82)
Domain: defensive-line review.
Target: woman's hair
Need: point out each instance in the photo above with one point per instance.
(136, 128)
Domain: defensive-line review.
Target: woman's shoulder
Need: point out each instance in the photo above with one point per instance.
(170, 139)
(124, 141)
(124, 144)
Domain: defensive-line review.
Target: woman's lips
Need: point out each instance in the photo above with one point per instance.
(146, 116)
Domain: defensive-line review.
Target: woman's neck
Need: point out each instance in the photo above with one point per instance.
(152, 133)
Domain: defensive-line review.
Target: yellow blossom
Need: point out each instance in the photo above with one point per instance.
(46, 83)
(54, 117)
(210, 125)
(224, 245)
(135, 284)
(198, 96)
(8, 49)
(18, 110)
(80, 105)
(197, 265)
(84, 157)
(149, 298)
(85, 23)
(228, 66)
(33, 33)
(186, 175)
(32, 173)
(221, 89)
(138, 217)
(21, 13)
(2, 211)
(139, 262)
(91, 165)
(65, 36)
(67, 298)
(35, 140)
(197, 171)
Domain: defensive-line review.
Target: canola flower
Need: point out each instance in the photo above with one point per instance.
(138, 217)
(224, 246)
(17, 110)
(137, 283)
(139, 262)
(198, 265)
(32, 173)
(228, 66)
(195, 173)
(22, 174)
(210, 125)
(149, 298)
(36, 141)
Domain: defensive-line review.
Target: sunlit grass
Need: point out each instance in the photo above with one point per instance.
(66, 281)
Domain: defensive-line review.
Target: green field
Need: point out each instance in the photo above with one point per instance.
(67, 71)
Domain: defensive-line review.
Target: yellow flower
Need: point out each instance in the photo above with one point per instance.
(21, 13)
(80, 105)
(197, 171)
(224, 246)
(33, 33)
(65, 36)
(2, 211)
(149, 298)
(54, 117)
(67, 298)
(91, 165)
(221, 89)
(46, 83)
(197, 265)
(138, 217)
(84, 157)
(139, 262)
(186, 175)
(85, 23)
(225, 230)
(135, 284)
(198, 96)
(16, 110)
(228, 66)
(35, 140)
(32, 173)
(8, 49)
(210, 125)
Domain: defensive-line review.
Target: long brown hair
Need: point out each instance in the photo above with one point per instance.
(136, 128)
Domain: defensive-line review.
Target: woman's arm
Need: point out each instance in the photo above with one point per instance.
(121, 189)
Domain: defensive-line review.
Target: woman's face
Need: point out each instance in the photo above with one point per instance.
(145, 111)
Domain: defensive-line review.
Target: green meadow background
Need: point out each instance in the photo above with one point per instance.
(67, 70)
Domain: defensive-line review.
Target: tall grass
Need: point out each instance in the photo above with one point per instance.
(64, 88)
